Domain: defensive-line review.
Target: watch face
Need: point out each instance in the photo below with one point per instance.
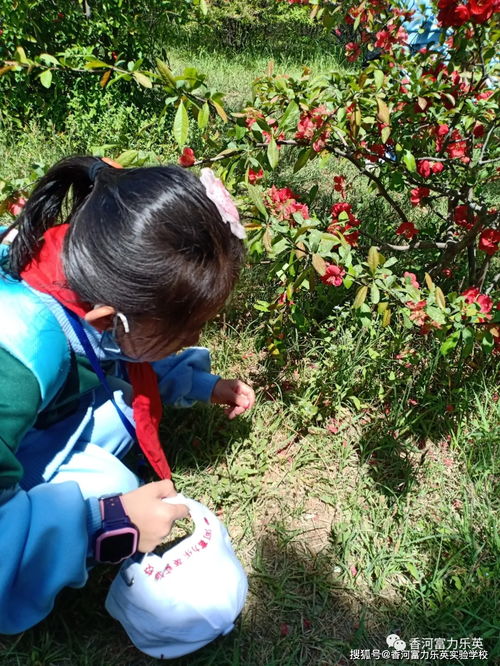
(114, 547)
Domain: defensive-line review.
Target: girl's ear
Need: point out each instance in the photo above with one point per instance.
(101, 317)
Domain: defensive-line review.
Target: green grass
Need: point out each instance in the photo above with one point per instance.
(379, 524)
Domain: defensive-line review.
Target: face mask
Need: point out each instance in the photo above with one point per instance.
(109, 343)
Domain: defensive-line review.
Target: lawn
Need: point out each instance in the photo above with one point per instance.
(361, 493)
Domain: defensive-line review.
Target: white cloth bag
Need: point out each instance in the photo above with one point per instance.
(176, 603)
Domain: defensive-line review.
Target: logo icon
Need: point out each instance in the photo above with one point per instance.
(395, 642)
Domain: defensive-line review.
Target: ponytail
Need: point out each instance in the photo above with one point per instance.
(147, 241)
(44, 208)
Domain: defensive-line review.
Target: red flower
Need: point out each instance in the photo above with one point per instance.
(255, 176)
(464, 217)
(353, 51)
(473, 295)
(407, 229)
(352, 238)
(425, 167)
(485, 303)
(339, 184)
(338, 208)
(284, 204)
(457, 146)
(482, 10)
(489, 240)
(485, 95)
(333, 275)
(418, 194)
(478, 130)
(311, 125)
(452, 14)
(187, 157)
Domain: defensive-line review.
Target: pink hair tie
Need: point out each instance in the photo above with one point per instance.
(217, 193)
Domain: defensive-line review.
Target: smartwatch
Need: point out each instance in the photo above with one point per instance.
(118, 537)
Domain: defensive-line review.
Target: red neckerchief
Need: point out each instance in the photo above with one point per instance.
(45, 273)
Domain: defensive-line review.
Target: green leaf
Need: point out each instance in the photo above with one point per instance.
(46, 78)
(204, 7)
(256, 197)
(165, 73)
(302, 159)
(49, 59)
(385, 134)
(203, 116)
(468, 341)
(20, 56)
(487, 343)
(95, 64)
(435, 314)
(378, 75)
(142, 79)
(181, 125)
(409, 161)
(374, 294)
(355, 401)
(291, 111)
(360, 297)
(273, 154)
(450, 343)
(127, 158)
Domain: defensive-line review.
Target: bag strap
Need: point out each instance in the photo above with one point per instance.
(96, 366)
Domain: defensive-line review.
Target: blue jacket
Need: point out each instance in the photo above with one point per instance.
(45, 528)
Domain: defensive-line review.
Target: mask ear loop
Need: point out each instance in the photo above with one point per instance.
(124, 321)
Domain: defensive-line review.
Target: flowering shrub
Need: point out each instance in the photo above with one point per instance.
(418, 125)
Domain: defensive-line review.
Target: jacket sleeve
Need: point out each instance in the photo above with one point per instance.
(44, 548)
(45, 530)
(185, 378)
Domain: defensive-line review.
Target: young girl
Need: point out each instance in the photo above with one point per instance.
(92, 314)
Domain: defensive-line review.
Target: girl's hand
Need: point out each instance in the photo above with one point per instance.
(152, 517)
(236, 394)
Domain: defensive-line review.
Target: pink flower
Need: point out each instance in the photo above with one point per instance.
(187, 157)
(333, 275)
(16, 206)
(413, 279)
(217, 193)
(473, 295)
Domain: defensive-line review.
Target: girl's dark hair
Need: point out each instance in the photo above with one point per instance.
(147, 241)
